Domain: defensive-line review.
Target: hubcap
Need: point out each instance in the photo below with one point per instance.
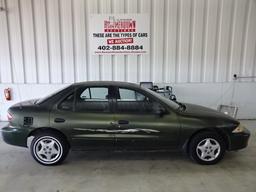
(208, 149)
(48, 150)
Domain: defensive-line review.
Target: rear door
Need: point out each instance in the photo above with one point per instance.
(140, 125)
(90, 121)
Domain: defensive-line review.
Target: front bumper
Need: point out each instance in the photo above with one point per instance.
(239, 140)
(15, 136)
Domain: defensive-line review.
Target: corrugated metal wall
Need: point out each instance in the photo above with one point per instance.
(46, 41)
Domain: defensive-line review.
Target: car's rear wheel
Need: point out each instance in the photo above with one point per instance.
(207, 148)
(49, 148)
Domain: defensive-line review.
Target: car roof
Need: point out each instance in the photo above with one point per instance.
(107, 83)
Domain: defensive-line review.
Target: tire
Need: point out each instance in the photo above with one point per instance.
(49, 148)
(207, 148)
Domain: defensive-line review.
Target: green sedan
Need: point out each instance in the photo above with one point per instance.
(108, 115)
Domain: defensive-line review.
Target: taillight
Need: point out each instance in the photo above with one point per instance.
(9, 116)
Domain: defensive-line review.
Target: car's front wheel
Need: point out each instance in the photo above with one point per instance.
(207, 148)
(49, 148)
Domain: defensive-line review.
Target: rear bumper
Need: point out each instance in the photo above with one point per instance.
(239, 140)
(15, 136)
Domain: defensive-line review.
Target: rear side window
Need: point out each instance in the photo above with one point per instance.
(95, 94)
(93, 99)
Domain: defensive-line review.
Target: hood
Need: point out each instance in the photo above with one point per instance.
(207, 113)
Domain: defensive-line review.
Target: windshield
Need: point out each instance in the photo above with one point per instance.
(43, 99)
(163, 98)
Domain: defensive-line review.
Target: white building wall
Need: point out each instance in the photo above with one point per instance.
(196, 45)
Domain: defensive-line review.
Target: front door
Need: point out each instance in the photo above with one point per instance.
(140, 125)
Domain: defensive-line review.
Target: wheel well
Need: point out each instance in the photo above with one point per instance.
(47, 129)
(219, 132)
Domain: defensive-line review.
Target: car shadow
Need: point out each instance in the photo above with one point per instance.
(151, 162)
(124, 155)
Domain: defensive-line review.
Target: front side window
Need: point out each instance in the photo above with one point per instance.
(92, 99)
(130, 95)
(131, 101)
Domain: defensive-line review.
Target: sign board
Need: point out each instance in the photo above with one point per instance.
(119, 34)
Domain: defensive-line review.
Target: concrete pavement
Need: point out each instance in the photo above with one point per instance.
(128, 172)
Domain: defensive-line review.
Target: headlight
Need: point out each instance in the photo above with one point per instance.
(240, 128)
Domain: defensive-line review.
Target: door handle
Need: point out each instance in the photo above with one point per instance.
(59, 120)
(113, 123)
(123, 122)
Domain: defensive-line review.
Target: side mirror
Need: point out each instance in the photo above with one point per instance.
(160, 111)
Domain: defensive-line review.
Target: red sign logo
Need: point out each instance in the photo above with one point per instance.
(119, 25)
